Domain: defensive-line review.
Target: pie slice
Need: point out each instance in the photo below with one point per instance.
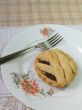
(55, 67)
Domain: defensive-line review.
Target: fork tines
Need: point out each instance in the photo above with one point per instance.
(54, 40)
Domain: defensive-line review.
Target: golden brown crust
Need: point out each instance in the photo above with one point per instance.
(61, 66)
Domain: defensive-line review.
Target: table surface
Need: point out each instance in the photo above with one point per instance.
(30, 12)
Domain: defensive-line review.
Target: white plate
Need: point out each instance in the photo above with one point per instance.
(68, 98)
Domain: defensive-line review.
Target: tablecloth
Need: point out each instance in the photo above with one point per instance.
(30, 12)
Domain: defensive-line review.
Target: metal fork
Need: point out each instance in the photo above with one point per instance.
(45, 45)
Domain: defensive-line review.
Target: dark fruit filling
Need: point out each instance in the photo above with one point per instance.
(50, 76)
(44, 62)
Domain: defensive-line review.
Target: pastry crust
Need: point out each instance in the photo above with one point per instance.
(55, 67)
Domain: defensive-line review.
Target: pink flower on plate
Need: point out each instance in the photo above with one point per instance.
(30, 86)
(46, 31)
(50, 92)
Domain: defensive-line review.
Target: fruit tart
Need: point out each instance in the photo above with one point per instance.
(55, 67)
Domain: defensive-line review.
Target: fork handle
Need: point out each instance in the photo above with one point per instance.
(11, 56)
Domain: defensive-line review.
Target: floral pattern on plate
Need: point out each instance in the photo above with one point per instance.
(46, 31)
(30, 86)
